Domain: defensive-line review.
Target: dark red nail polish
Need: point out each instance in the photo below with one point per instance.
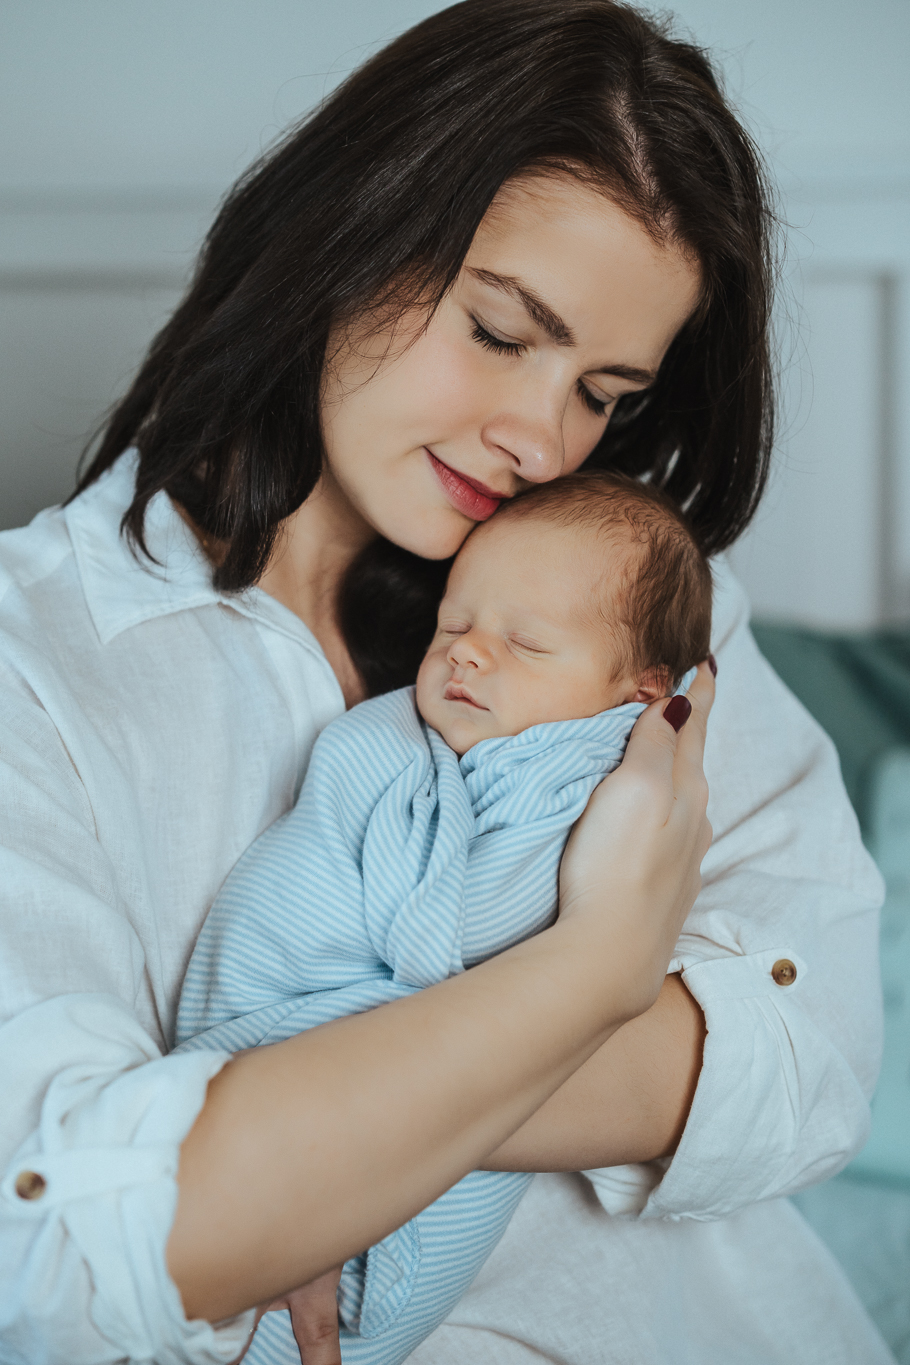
(677, 711)
(712, 664)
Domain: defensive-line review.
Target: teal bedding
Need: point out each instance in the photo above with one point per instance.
(858, 688)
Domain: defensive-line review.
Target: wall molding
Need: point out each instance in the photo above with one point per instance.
(844, 178)
(51, 281)
(106, 239)
(109, 198)
(106, 263)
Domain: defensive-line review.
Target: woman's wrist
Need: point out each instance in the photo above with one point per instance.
(612, 959)
(628, 1103)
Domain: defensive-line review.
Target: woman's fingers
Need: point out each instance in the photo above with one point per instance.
(690, 747)
(689, 769)
(669, 739)
(636, 853)
(314, 1318)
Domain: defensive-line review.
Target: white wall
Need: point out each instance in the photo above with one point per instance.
(825, 88)
(123, 121)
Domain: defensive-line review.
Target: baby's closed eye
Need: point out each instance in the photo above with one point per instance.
(527, 645)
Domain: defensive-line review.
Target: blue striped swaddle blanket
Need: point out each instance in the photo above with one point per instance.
(400, 865)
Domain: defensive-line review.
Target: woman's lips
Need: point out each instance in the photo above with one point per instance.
(466, 495)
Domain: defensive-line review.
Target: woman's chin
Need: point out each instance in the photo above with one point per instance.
(430, 535)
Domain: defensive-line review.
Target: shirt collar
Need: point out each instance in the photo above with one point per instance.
(123, 588)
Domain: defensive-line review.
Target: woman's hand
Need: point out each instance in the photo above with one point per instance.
(641, 841)
(314, 1319)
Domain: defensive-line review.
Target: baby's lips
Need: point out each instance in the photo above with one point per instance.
(455, 692)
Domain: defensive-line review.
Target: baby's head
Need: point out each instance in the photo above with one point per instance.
(577, 596)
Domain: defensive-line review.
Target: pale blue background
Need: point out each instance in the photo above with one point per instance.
(168, 93)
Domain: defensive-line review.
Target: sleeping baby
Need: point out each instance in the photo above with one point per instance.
(429, 829)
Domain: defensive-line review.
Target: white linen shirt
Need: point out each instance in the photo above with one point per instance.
(150, 728)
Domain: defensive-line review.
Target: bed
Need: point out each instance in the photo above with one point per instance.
(858, 688)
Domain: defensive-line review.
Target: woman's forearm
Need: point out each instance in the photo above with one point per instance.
(308, 1151)
(628, 1102)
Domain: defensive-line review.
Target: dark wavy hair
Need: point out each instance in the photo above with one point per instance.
(378, 195)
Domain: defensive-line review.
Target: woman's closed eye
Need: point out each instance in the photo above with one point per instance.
(491, 341)
(596, 405)
(501, 345)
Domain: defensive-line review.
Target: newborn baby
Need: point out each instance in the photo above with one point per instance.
(429, 829)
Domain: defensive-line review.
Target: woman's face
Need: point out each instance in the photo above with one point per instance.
(563, 305)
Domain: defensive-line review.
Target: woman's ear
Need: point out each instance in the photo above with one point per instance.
(652, 684)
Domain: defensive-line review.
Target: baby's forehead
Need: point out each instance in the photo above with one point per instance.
(581, 551)
(566, 574)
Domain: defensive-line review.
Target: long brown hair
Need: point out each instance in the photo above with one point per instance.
(388, 181)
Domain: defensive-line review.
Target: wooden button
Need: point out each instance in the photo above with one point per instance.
(784, 972)
(30, 1185)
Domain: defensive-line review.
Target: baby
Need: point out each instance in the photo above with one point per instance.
(430, 826)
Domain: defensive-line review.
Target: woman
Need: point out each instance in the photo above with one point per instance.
(527, 235)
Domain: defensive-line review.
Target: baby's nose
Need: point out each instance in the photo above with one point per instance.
(469, 651)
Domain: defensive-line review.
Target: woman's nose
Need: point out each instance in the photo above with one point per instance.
(533, 442)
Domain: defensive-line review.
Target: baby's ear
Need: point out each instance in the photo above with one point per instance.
(652, 684)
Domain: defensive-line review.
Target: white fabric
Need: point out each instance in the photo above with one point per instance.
(149, 731)
(757, 1288)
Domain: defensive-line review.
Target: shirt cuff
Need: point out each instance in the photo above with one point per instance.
(776, 1106)
(88, 1199)
(623, 1190)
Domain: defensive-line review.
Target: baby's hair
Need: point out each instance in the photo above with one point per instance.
(663, 604)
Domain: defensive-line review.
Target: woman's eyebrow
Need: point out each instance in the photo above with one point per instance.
(541, 313)
(552, 324)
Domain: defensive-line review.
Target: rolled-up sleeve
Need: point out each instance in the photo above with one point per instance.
(88, 1197)
(93, 1114)
(780, 951)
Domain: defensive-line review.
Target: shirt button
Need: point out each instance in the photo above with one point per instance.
(784, 972)
(30, 1185)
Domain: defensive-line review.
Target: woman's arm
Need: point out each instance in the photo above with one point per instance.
(312, 1149)
(778, 1084)
(789, 1063)
(628, 1103)
(370, 1117)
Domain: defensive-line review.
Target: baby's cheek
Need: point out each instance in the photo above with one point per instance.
(421, 692)
(430, 684)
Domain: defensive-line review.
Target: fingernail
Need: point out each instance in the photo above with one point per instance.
(677, 711)
(712, 664)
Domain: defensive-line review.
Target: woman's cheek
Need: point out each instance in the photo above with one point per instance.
(581, 434)
(460, 382)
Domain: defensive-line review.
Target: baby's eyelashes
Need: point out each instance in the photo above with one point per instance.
(526, 645)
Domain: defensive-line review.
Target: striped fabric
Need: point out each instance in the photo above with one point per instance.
(399, 866)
